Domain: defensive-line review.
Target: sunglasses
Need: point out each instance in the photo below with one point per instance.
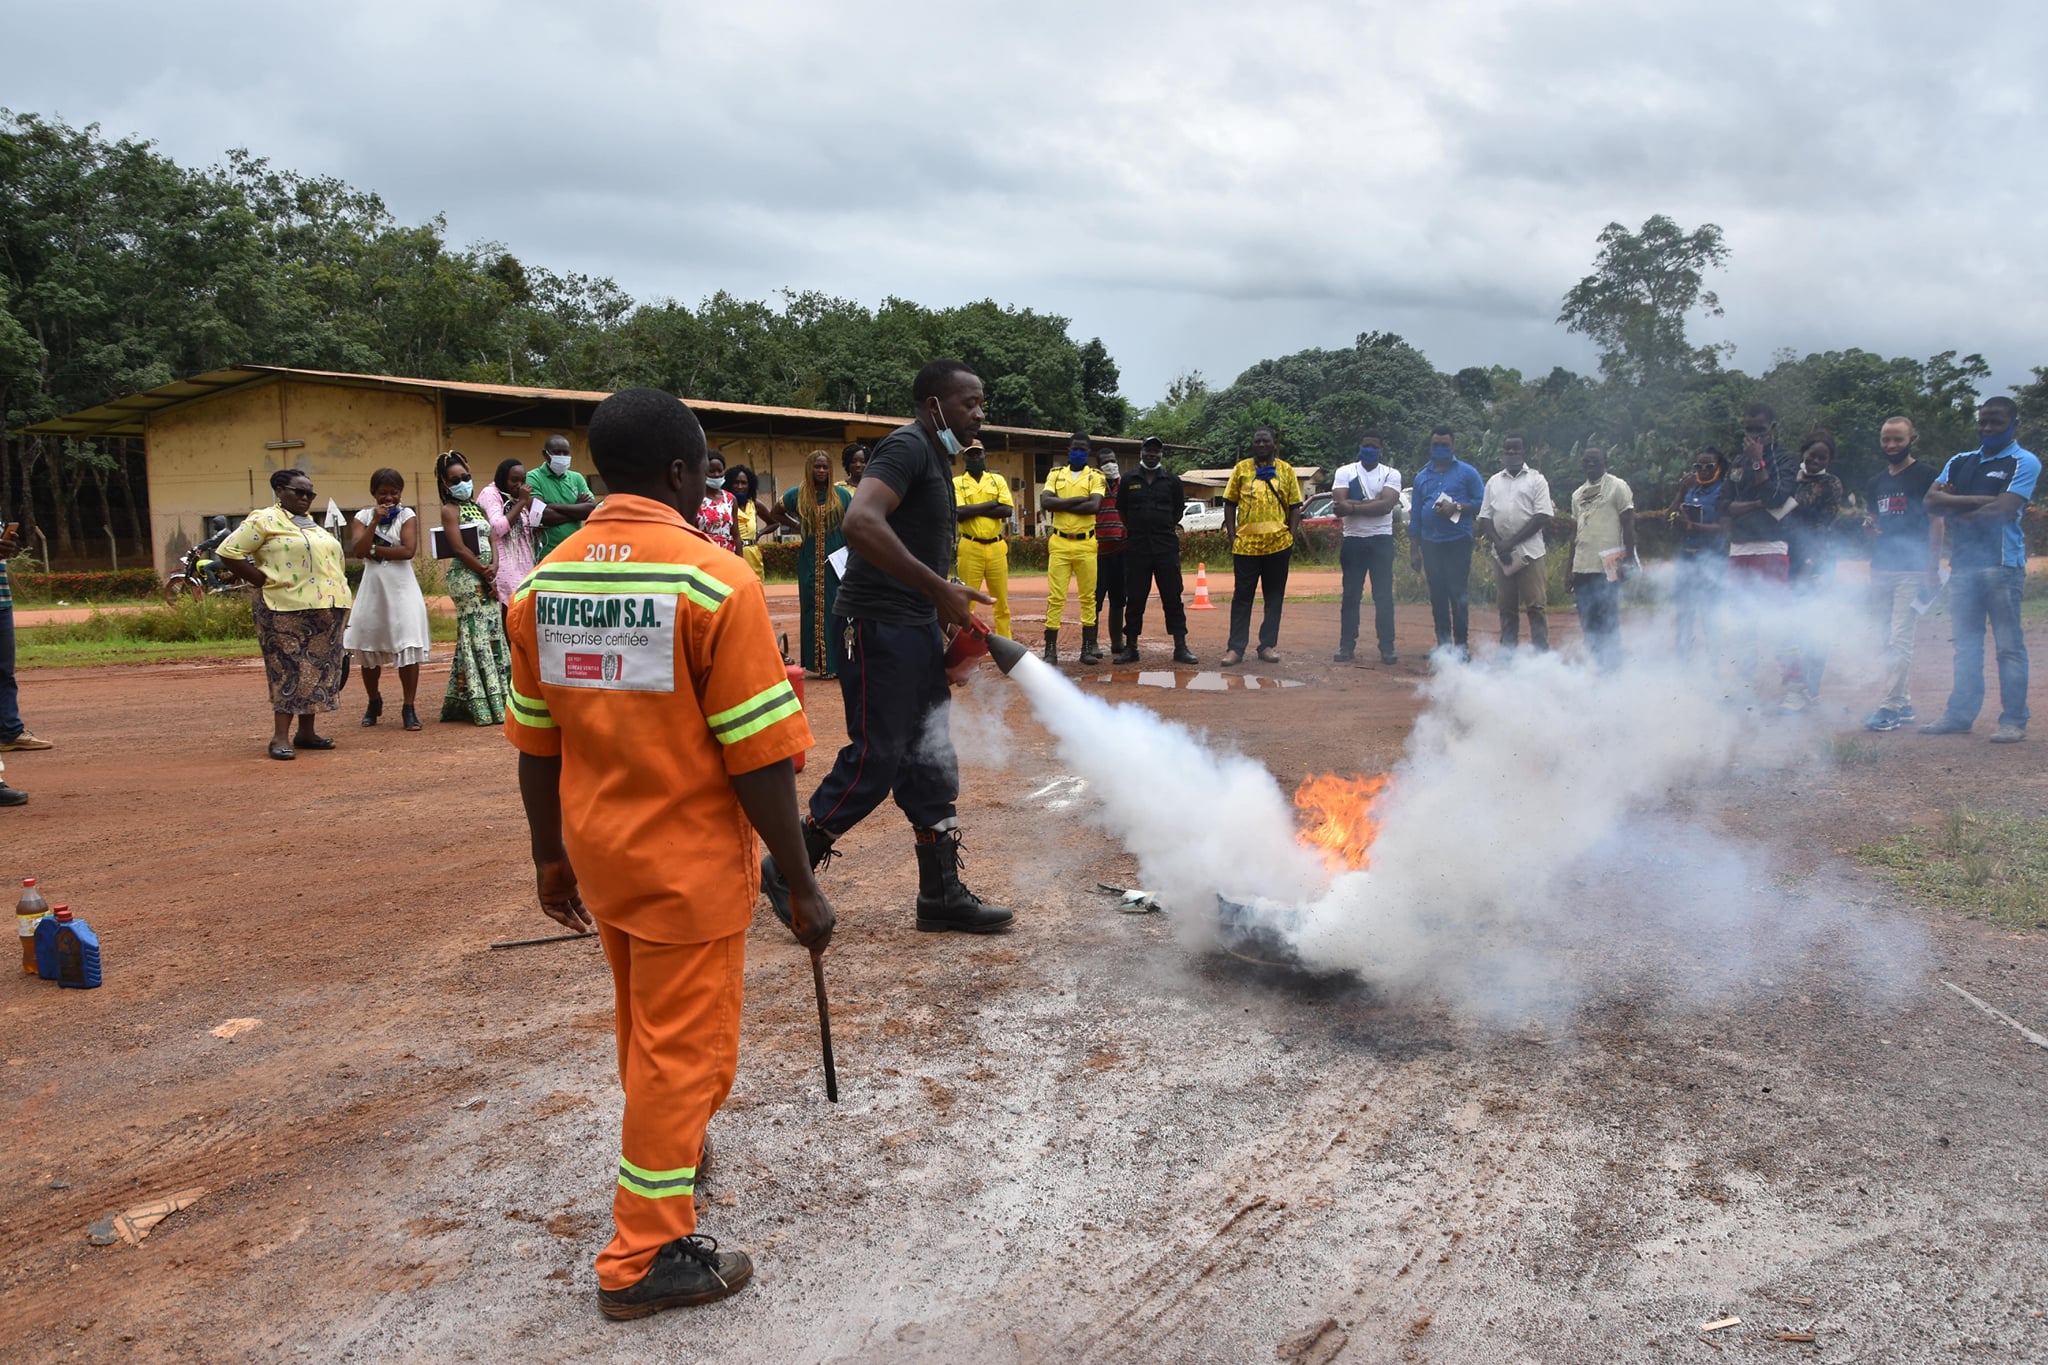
(300, 492)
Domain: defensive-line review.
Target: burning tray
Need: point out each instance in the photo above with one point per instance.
(1245, 932)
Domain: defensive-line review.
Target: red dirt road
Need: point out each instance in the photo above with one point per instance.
(1073, 1142)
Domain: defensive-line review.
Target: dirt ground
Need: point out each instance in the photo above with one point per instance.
(1076, 1142)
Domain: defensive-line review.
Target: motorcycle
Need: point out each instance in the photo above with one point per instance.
(199, 574)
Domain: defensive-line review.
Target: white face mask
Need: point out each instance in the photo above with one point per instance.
(1110, 471)
(462, 490)
(947, 439)
(715, 484)
(558, 465)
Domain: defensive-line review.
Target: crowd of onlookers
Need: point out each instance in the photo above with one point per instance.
(1757, 531)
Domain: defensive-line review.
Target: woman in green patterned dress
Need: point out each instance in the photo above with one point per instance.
(483, 660)
(813, 510)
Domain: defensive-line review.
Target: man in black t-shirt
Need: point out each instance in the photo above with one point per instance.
(895, 600)
(1903, 554)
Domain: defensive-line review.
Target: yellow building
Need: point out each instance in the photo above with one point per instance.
(213, 440)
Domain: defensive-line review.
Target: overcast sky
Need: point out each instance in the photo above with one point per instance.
(1202, 184)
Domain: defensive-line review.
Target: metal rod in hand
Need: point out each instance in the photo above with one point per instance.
(825, 1026)
(551, 938)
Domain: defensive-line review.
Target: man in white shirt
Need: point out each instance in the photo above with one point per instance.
(1512, 519)
(1603, 553)
(1367, 494)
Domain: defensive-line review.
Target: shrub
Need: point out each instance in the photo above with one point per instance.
(224, 617)
(99, 585)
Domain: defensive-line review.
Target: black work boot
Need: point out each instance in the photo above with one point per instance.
(1127, 652)
(1052, 646)
(1091, 653)
(942, 902)
(688, 1271)
(1181, 653)
(775, 886)
(1116, 639)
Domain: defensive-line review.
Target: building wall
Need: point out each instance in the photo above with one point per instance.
(209, 457)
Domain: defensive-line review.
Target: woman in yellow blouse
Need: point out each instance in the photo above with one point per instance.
(746, 516)
(300, 611)
(1260, 505)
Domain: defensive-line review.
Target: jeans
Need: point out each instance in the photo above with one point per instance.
(1598, 598)
(10, 698)
(1698, 582)
(1447, 564)
(898, 739)
(1977, 597)
(1109, 587)
(1268, 574)
(1142, 568)
(1525, 588)
(1892, 593)
(1363, 557)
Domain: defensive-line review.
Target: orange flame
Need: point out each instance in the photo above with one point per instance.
(1337, 812)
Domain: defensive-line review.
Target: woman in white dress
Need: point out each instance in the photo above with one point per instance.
(388, 626)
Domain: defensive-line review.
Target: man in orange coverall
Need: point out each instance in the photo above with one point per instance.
(655, 724)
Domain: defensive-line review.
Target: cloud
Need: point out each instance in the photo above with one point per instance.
(1201, 184)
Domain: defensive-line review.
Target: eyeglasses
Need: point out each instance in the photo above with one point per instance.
(300, 492)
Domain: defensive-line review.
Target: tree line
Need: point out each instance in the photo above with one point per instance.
(121, 270)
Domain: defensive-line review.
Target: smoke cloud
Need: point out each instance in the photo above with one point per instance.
(1552, 831)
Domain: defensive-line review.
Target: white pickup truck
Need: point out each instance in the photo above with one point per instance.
(1200, 516)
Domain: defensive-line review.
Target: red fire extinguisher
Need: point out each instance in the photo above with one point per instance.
(795, 674)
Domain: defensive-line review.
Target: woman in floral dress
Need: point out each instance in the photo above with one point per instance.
(483, 660)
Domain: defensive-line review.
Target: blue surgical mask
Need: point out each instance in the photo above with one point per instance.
(1441, 454)
(715, 482)
(1993, 444)
(1369, 456)
(461, 491)
(947, 440)
(1077, 459)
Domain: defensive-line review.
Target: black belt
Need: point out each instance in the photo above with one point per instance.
(986, 540)
(1075, 535)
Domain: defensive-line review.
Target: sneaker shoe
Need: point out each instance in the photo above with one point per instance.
(1945, 726)
(24, 742)
(688, 1271)
(1905, 714)
(2008, 733)
(1883, 718)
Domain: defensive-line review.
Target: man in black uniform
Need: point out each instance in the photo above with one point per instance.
(902, 531)
(1149, 499)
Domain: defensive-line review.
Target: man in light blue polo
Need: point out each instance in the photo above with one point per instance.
(1981, 495)
(1446, 502)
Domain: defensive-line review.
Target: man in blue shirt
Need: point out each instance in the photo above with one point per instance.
(1981, 495)
(1448, 494)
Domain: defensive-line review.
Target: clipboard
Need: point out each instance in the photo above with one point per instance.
(471, 533)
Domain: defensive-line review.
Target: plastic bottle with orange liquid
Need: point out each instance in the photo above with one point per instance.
(30, 908)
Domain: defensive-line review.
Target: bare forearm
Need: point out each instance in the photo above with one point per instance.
(540, 791)
(566, 513)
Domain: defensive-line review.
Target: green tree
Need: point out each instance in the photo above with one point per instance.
(1634, 304)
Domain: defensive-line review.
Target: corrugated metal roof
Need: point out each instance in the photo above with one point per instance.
(126, 416)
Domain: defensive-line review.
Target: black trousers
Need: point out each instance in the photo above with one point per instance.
(1268, 574)
(1448, 566)
(1143, 568)
(1109, 586)
(1362, 557)
(898, 738)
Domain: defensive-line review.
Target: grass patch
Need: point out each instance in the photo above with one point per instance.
(1852, 752)
(1989, 864)
(217, 627)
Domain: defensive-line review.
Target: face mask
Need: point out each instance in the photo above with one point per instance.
(558, 465)
(1441, 454)
(947, 440)
(1995, 443)
(1265, 471)
(976, 463)
(1077, 459)
(1149, 459)
(715, 483)
(1110, 470)
(461, 491)
(1369, 456)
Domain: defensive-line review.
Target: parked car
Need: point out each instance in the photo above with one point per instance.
(1320, 510)
(1200, 516)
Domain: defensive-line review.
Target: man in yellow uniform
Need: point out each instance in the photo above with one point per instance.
(1073, 495)
(655, 723)
(984, 509)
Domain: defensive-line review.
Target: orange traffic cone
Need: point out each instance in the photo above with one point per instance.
(1201, 602)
